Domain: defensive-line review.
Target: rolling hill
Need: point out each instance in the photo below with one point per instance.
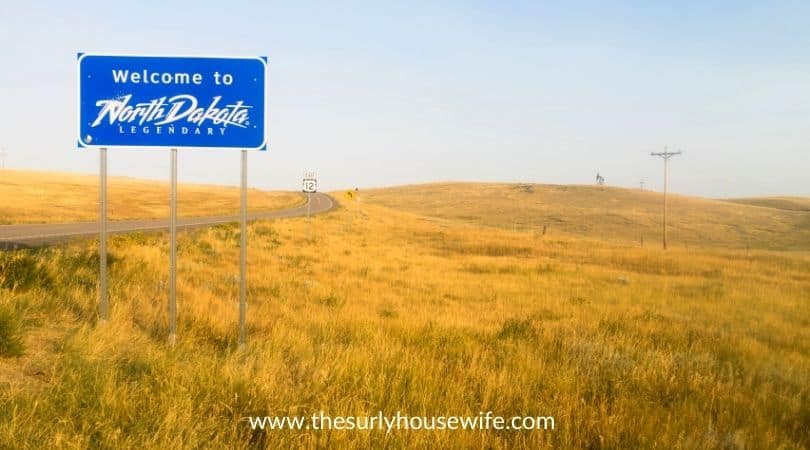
(786, 203)
(607, 213)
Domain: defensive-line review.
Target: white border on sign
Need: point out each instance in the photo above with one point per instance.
(306, 182)
(81, 55)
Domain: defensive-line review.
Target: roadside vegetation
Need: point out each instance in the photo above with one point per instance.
(42, 197)
(626, 346)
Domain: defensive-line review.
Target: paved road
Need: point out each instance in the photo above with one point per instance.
(32, 235)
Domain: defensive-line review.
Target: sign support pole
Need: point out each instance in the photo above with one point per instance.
(309, 185)
(102, 237)
(243, 252)
(173, 251)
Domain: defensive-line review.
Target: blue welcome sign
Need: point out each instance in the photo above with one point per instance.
(175, 102)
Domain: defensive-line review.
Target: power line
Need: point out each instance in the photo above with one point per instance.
(666, 154)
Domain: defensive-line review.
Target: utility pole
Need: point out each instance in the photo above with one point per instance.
(3, 155)
(641, 183)
(666, 154)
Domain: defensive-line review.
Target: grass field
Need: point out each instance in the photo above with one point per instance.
(627, 347)
(626, 216)
(787, 203)
(41, 197)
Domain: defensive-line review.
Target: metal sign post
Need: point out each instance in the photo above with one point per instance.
(102, 236)
(309, 217)
(310, 186)
(173, 250)
(172, 102)
(243, 253)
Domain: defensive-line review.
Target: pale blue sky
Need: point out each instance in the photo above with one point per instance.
(375, 93)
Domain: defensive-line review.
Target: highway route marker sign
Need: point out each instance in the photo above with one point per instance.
(310, 183)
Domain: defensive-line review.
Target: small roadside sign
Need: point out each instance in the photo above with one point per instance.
(310, 184)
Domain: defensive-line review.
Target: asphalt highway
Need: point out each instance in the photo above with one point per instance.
(34, 235)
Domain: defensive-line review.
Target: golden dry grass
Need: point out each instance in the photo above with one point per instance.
(42, 197)
(788, 203)
(387, 311)
(627, 216)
